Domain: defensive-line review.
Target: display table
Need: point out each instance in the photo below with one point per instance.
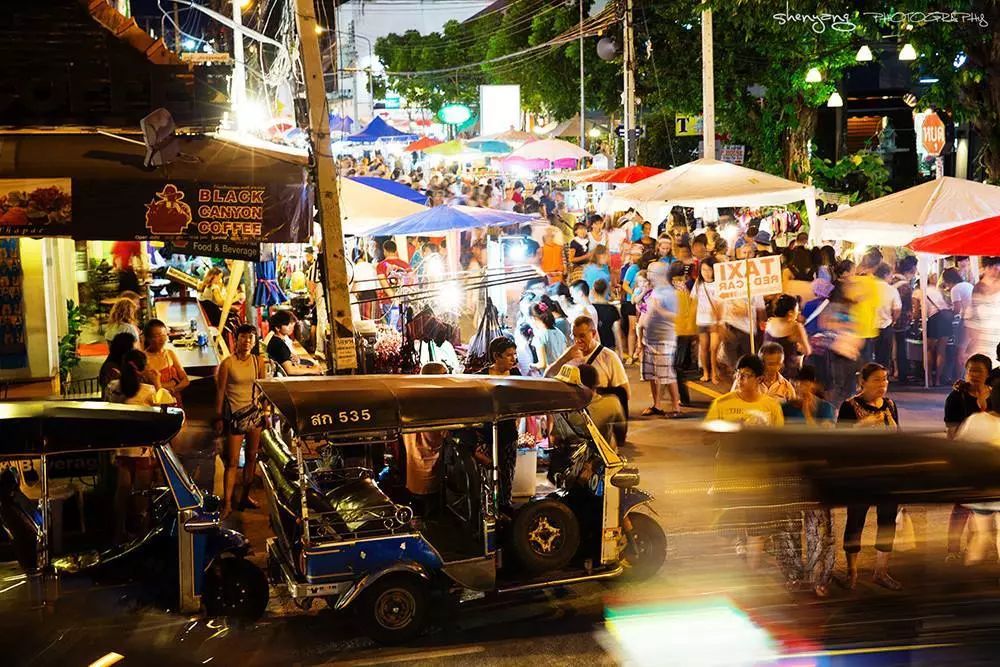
(174, 312)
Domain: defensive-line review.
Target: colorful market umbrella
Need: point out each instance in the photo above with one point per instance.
(551, 150)
(450, 218)
(268, 292)
(980, 238)
(490, 146)
(392, 188)
(453, 147)
(624, 175)
(421, 144)
(512, 136)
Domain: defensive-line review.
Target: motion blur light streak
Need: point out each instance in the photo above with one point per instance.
(696, 634)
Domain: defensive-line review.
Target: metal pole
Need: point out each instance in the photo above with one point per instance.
(629, 63)
(177, 29)
(341, 352)
(707, 85)
(239, 85)
(583, 108)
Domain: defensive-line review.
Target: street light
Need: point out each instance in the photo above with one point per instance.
(908, 52)
(864, 54)
(813, 75)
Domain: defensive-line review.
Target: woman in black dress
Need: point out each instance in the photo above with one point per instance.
(870, 408)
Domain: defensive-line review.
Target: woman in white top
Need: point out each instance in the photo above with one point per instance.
(707, 318)
(123, 318)
(210, 295)
(237, 416)
(982, 427)
(135, 386)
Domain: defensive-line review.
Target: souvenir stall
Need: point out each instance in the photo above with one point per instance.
(426, 314)
(222, 200)
(900, 218)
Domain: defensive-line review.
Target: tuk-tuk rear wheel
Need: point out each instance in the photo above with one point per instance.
(394, 609)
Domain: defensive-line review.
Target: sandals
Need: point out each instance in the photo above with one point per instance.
(651, 411)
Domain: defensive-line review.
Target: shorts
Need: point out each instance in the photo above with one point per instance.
(658, 362)
(627, 309)
(707, 329)
(941, 324)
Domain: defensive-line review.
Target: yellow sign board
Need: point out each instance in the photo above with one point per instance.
(687, 125)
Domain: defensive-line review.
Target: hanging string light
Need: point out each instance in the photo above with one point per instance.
(864, 54)
(908, 52)
(813, 75)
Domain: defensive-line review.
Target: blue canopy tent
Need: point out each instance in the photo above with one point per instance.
(379, 130)
(340, 123)
(450, 218)
(391, 188)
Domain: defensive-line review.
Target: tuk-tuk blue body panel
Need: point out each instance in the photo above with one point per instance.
(360, 557)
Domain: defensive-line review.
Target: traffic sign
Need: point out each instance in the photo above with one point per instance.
(636, 131)
(932, 134)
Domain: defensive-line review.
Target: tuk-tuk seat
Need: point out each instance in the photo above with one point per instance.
(362, 505)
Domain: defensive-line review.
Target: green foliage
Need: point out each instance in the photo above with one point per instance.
(863, 175)
(69, 357)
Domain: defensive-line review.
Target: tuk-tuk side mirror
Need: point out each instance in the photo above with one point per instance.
(626, 478)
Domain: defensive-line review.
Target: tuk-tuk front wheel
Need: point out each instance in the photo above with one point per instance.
(646, 547)
(393, 610)
(235, 588)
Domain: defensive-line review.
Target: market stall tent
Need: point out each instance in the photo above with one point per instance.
(899, 218)
(391, 187)
(363, 207)
(707, 183)
(379, 130)
(582, 175)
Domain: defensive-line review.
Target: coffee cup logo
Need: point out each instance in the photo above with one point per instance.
(168, 216)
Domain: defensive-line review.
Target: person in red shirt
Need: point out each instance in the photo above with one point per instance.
(123, 254)
(392, 271)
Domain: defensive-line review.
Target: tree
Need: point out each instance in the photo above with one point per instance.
(971, 89)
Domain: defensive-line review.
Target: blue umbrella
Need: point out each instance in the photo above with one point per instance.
(391, 188)
(450, 218)
(268, 292)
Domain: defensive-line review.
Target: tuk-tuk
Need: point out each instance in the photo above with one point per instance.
(184, 554)
(344, 527)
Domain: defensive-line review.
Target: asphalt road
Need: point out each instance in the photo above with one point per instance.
(704, 607)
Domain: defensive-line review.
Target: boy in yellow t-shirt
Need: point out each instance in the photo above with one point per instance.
(747, 404)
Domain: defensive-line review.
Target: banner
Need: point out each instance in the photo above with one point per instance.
(230, 220)
(747, 278)
(13, 351)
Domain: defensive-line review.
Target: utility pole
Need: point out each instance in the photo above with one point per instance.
(583, 108)
(177, 30)
(629, 64)
(341, 354)
(707, 85)
(239, 85)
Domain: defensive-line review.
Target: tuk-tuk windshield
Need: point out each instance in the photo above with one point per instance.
(187, 494)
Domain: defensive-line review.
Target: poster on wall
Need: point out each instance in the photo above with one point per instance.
(35, 206)
(13, 351)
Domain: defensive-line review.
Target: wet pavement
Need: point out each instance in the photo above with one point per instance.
(704, 607)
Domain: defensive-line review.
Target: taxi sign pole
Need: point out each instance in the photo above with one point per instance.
(751, 311)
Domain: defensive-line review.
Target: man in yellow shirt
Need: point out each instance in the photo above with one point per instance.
(864, 290)
(747, 403)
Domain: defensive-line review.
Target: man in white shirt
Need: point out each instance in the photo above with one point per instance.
(581, 306)
(587, 349)
(889, 306)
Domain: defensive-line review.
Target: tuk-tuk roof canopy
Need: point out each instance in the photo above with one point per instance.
(32, 428)
(351, 404)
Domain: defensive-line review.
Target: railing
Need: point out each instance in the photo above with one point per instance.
(86, 388)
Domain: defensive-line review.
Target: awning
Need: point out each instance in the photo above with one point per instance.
(980, 238)
(95, 187)
(451, 218)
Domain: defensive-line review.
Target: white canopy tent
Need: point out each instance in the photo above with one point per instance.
(899, 218)
(363, 208)
(707, 183)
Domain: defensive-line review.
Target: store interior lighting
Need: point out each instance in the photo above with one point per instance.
(864, 54)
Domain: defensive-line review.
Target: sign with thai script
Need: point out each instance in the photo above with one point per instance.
(748, 278)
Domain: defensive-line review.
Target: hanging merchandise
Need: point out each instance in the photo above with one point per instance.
(388, 347)
(13, 351)
(477, 356)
